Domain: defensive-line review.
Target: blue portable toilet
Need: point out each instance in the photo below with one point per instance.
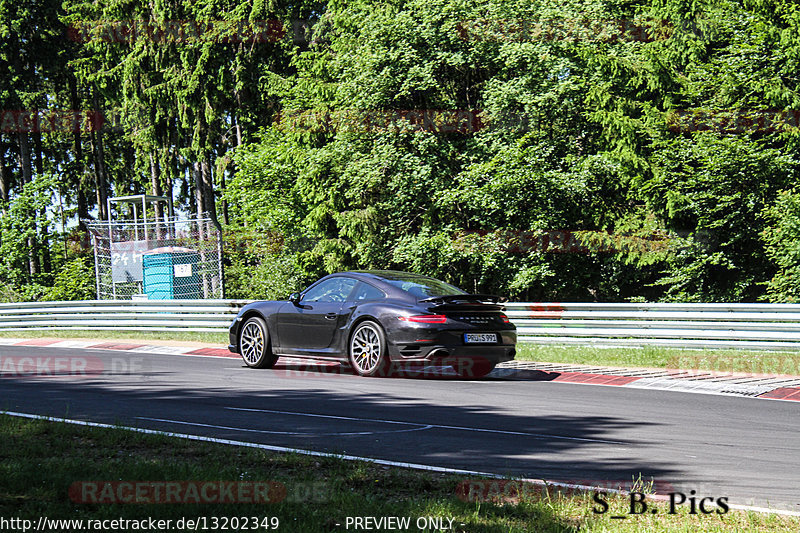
(171, 273)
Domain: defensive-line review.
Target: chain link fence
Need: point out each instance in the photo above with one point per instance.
(169, 259)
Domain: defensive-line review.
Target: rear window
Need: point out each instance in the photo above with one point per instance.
(366, 292)
(421, 286)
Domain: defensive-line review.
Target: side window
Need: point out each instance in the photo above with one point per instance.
(365, 292)
(331, 290)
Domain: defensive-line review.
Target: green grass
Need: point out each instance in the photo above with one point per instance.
(40, 460)
(754, 362)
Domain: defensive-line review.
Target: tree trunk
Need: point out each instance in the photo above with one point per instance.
(155, 183)
(5, 182)
(37, 144)
(237, 124)
(209, 203)
(171, 164)
(98, 153)
(45, 264)
(198, 189)
(83, 205)
(25, 157)
(77, 147)
(238, 127)
(33, 258)
(225, 218)
(27, 177)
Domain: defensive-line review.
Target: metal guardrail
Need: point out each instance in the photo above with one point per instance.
(131, 315)
(749, 326)
(754, 326)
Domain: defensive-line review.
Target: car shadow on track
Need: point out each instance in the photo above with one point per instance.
(297, 367)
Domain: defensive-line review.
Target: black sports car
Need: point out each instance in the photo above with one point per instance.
(378, 321)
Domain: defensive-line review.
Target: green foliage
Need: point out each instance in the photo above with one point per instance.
(617, 124)
(267, 277)
(75, 280)
(782, 238)
(263, 192)
(258, 264)
(711, 190)
(22, 226)
(399, 196)
(25, 222)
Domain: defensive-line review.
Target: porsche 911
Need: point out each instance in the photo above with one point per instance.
(378, 321)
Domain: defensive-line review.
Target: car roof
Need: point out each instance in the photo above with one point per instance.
(385, 275)
(388, 274)
(380, 278)
(377, 277)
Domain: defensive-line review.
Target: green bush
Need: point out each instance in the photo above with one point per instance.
(75, 280)
(782, 238)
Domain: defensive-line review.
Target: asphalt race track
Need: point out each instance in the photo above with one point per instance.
(742, 448)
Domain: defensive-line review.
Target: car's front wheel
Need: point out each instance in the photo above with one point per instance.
(254, 344)
(367, 350)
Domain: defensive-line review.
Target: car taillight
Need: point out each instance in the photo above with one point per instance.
(425, 319)
(505, 319)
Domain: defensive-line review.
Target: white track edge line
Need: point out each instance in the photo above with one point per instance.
(383, 462)
(438, 426)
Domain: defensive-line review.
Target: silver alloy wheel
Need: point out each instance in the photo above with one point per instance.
(365, 349)
(253, 343)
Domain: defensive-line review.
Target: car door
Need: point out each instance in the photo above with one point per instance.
(309, 326)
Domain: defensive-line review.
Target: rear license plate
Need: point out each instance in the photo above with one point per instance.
(480, 338)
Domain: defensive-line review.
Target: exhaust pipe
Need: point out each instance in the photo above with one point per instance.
(438, 352)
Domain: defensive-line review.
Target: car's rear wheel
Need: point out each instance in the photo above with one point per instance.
(367, 350)
(254, 344)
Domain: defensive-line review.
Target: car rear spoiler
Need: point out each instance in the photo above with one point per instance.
(472, 298)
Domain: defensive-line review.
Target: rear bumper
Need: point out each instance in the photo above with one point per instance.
(450, 345)
(443, 354)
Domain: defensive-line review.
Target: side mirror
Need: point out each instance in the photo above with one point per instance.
(294, 298)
